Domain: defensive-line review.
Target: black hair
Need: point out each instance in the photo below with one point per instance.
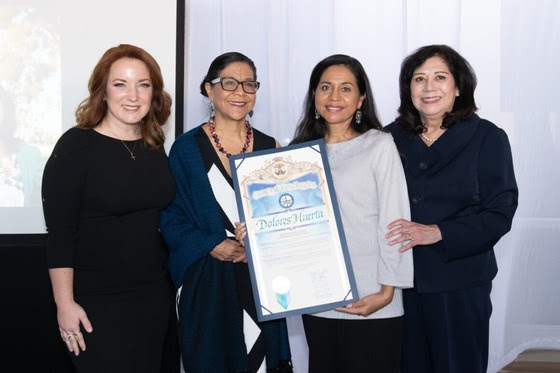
(220, 63)
(465, 81)
(310, 128)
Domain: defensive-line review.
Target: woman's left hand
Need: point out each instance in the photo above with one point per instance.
(417, 234)
(370, 303)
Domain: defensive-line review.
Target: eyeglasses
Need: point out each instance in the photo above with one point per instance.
(231, 84)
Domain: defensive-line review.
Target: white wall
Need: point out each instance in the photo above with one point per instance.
(514, 48)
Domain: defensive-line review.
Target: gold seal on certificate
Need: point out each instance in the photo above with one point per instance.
(296, 250)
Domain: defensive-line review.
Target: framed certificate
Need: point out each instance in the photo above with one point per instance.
(296, 249)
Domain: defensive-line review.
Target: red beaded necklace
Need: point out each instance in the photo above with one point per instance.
(217, 140)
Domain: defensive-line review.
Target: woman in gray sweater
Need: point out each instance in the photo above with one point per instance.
(371, 191)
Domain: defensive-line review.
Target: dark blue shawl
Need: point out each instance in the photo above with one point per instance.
(210, 316)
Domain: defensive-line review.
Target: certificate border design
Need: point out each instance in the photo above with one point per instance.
(352, 294)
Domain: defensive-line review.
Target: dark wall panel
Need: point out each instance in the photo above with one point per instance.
(28, 329)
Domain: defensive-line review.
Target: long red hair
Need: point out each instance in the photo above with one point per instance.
(93, 109)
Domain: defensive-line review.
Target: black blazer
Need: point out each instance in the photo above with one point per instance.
(465, 184)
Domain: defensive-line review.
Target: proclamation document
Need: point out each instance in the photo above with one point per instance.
(296, 250)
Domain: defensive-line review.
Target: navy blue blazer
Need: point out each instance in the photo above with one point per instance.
(465, 184)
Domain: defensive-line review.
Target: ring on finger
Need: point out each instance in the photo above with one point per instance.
(410, 237)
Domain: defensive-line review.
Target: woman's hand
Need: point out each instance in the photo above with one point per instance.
(229, 251)
(70, 314)
(370, 303)
(240, 233)
(417, 234)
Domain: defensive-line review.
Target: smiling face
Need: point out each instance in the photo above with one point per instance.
(337, 96)
(232, 105)
(128, 92)
(433, 90)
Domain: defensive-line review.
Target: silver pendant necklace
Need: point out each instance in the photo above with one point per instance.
(132, 156)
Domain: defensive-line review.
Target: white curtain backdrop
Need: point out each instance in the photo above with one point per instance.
(513, 46)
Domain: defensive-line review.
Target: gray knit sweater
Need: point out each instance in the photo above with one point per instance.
(371, 191)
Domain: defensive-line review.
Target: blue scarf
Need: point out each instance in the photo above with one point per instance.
(210, 316)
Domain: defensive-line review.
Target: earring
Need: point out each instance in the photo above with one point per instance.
(317, 116)
(358, 116)
(212, 107)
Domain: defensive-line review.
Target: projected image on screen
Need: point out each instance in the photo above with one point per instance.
(30, 101)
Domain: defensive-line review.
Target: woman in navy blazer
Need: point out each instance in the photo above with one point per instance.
(463, 196)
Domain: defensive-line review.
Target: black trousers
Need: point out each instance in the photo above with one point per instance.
(341, 346)
(446, 332)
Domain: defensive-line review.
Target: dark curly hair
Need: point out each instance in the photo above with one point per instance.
(310, 128)
(465, 81)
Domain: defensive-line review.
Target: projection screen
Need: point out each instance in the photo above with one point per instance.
(47, 52)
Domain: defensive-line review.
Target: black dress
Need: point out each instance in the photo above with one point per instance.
(102, 213)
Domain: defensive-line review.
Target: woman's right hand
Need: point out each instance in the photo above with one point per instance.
(411, 234)
(240, 233)
(229, 251)
(70, 315)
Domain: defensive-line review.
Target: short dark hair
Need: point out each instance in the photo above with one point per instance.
(465, 81)
(220, 63)
(310, 128)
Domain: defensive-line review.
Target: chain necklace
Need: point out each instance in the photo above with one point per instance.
(248, 136)
(132, 156)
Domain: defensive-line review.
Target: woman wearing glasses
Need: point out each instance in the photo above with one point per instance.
(217, 318)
